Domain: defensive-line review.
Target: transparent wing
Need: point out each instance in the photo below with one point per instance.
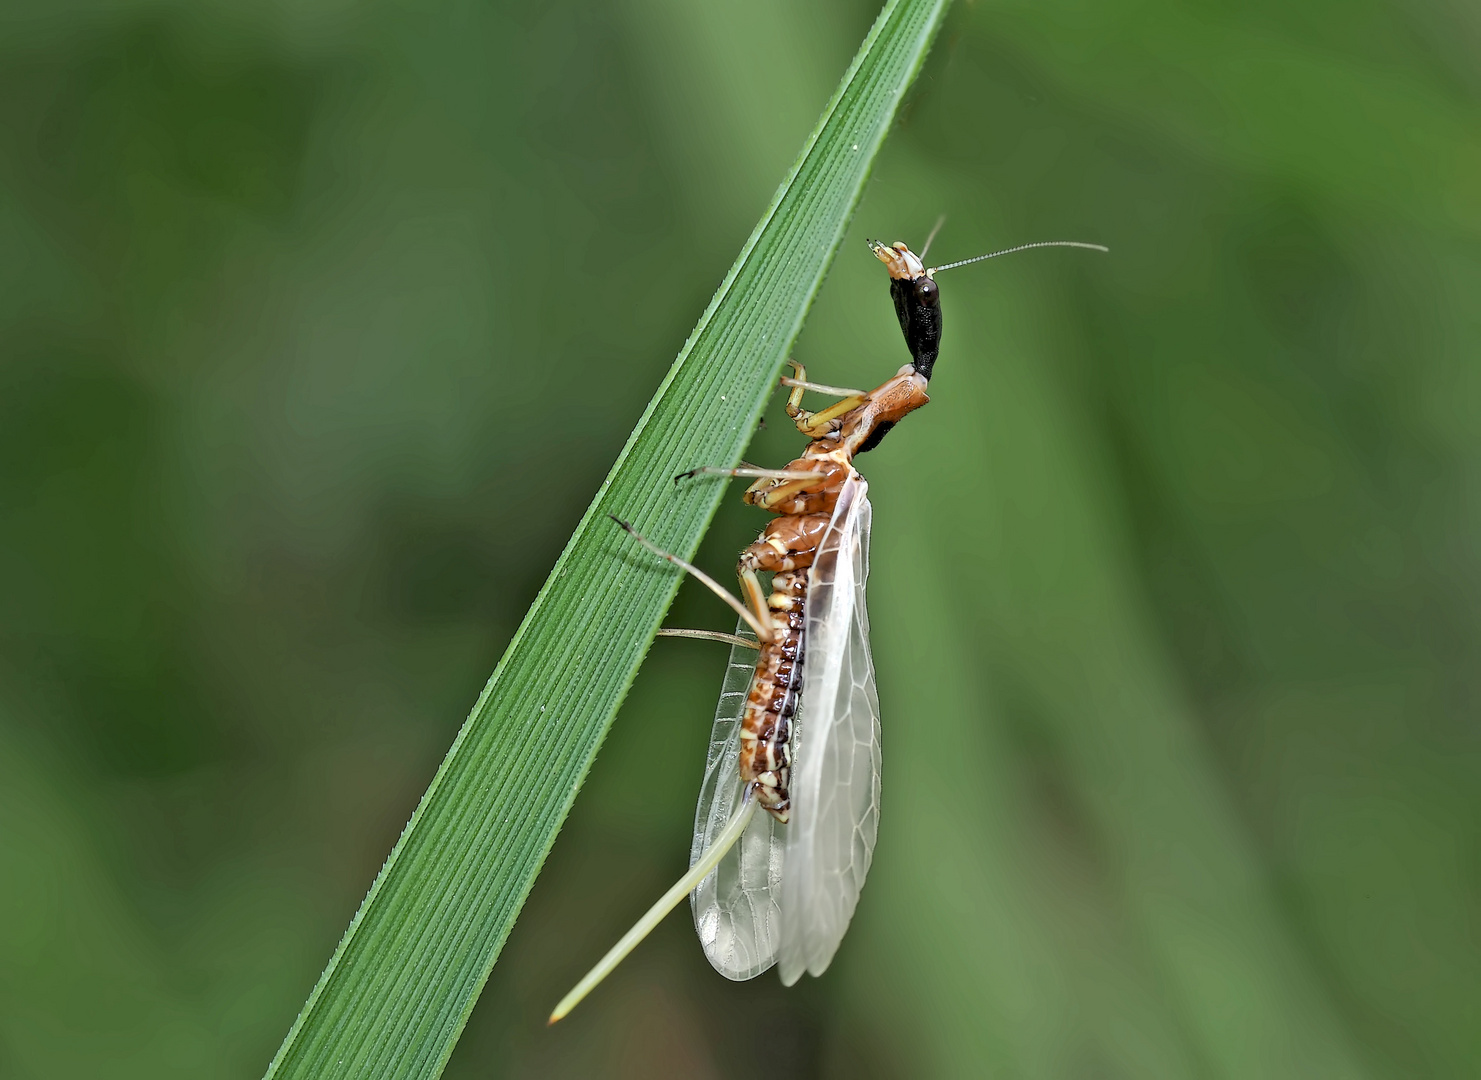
(836, 750)
(735, 906)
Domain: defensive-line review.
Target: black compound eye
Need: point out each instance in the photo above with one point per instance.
(925, 290)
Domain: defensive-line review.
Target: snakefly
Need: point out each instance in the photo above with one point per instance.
(796, 731)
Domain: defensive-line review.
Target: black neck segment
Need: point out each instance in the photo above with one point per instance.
(918, 305)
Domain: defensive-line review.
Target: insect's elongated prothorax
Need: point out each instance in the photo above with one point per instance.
(816, 551)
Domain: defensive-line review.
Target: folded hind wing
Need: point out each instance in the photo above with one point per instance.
(735, 906)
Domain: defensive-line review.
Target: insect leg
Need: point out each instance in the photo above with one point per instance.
(745, 470)
(810, 423)
(755, 594)
(822, 388)
(822, 423)
(794, 399)
(794, 496)
(710, 635)
(756, 615)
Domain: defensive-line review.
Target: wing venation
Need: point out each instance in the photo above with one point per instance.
(836, 749)
(735, 906)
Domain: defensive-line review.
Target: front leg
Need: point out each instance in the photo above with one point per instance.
(819, 424)
(813, 495)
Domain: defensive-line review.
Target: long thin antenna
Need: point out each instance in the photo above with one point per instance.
(1020, 247)
(666, 903)
(940, 221)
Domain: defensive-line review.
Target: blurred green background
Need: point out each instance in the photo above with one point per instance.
(322, 322)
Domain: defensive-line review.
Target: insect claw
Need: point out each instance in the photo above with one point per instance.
(627, 528)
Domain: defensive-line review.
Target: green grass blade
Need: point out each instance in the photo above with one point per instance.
(397, 992)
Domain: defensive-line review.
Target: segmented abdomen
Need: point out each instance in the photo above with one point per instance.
(771, 705)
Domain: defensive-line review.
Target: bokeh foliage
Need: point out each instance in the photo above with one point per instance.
(323, 323)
